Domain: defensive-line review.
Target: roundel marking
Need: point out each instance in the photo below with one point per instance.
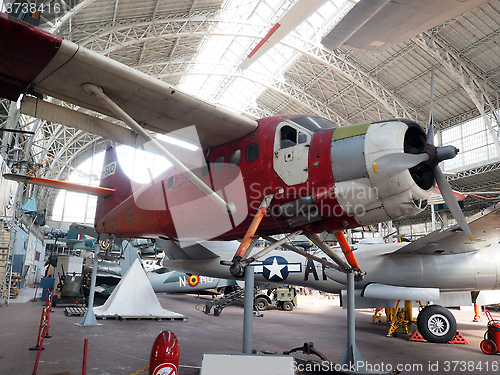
(105, 245)
(275, 268)
(193, 280)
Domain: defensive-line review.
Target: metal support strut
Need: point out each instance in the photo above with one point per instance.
(122, 115)
(351, 267)
(351, 356)
(346, 249)
(237, 268)
(89, 317)
(248, 310)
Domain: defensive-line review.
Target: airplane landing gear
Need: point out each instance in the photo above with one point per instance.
(237, 268)
(436, 324)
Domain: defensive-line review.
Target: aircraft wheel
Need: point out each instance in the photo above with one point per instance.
(216, 311)
(488, 347)
(262, 303)
(287, 306)
(55, 300)
(436, 324)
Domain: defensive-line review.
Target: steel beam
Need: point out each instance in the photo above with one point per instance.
(465, 73)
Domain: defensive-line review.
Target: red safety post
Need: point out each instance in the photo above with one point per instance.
(84, 365)
(49, 307)
(40, 348)
(477, 317)
(164, 357)
(42, 318)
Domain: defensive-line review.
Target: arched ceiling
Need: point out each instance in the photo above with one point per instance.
(199, 44)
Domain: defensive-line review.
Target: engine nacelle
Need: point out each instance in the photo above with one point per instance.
(371, 197)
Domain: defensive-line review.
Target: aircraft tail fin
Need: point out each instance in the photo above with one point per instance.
(112, 177)
(130, 254)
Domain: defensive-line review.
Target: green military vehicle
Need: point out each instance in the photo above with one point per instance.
(284, 298)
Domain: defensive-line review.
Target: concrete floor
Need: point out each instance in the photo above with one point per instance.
(123, 347)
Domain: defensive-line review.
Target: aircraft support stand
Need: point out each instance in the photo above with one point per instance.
(351, 357)
(248, 310)
(89, 317)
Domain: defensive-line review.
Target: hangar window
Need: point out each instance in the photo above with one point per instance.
(235, 158)
(192, 169)
(170, 183)
(252, 151)
(77, 207)
(219, 163)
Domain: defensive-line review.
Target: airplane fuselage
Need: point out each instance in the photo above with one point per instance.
(178, 282)
(320, 179)
(477, 270)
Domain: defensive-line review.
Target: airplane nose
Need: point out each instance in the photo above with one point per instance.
(371, 197)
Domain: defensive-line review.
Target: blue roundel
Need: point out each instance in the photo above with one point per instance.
(275, 268)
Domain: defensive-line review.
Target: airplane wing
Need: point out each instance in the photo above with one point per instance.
(376, 25)
(485, 226)
(199, 251)
(34, 61)
(85, 229)
(437, 198)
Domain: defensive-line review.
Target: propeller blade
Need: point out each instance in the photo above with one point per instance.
(430, 129)
(451, 201)
(398, 162)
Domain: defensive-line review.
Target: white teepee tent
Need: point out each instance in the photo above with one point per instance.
(134, 297)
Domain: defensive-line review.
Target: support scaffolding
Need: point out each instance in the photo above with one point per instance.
(7, 235)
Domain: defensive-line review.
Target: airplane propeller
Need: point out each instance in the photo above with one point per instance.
(430, 156)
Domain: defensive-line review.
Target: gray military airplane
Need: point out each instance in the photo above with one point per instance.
(441, 268)
(109, 273)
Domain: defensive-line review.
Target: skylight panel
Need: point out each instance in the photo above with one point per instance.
(330, 7)
(230, 51)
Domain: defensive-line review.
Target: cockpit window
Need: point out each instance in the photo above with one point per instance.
(302, 137)
(288, 136)
(314, 123)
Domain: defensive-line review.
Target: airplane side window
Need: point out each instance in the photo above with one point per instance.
(235, 158)
(288, 137)
(252, 151)
(302, 138)
(192, 169)
(204, 170)
(170, 183)
(219, 163)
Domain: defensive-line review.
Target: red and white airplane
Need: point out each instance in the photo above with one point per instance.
(290, 173)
